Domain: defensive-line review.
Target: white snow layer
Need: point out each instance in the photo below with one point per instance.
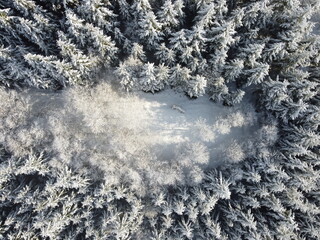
(173, 119)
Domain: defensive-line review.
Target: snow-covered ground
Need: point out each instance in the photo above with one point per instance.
(148, 139)
(174, 120)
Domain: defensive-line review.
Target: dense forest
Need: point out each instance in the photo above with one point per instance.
(223, 49)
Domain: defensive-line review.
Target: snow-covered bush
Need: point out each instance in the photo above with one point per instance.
(234, 152)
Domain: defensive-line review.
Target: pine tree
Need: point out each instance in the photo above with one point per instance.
(139, 10)
(206, 15)
(233, 70)
(218, 89)
(162, 74)
(80, 62)
(150, 30)
(165, 55)
(221, 36)
(196, 86)
(48, 68)
(124, 72)
(124, 9)
(148, 79)
(168, 16)
(178, 41)
(257, 74)
(99, 14)
(197, 40)
(180, 76)
(13, 72)
(88, 35)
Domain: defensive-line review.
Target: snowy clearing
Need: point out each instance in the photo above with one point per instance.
(163, 138)
(173, 120)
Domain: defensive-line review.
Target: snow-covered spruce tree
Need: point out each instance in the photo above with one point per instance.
(148, 79)
(50, 68)
(125, 74)
(170, 15)
(33, 24)
(149, 31)
(180, 76)
(165, 55)
(14, 72)
(162, 74)
(91, 38)
(196, 86)
(138, 10)
(85, 65)
(129, 71)
(99, 13)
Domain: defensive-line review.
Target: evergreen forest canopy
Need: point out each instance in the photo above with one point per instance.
(224, 48)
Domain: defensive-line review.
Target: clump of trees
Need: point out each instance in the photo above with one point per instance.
(218, 47)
